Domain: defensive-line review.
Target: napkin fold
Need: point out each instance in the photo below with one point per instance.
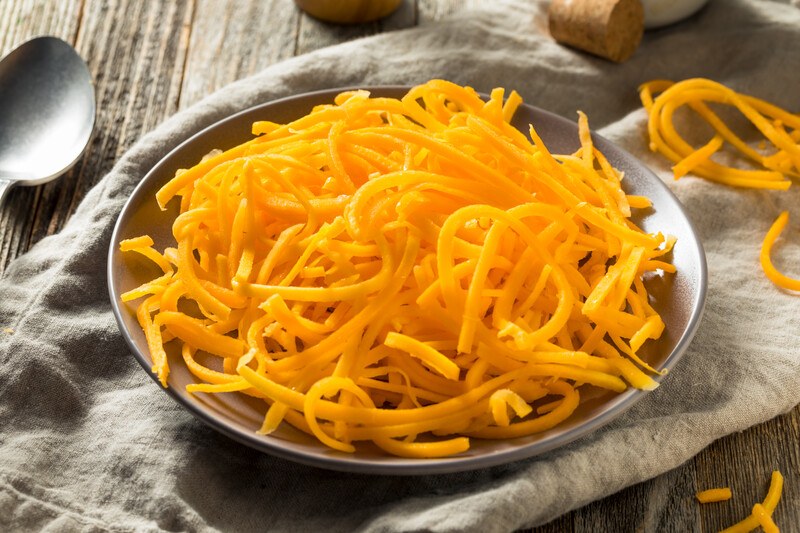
(88, 442)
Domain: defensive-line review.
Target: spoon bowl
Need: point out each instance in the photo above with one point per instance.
(47, 112)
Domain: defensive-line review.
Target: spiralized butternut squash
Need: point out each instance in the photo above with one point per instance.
(780, 128)
(774, 275)
(412, 272)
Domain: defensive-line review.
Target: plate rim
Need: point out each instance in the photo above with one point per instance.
(618, 405)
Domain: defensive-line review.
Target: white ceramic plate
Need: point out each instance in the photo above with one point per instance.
(679, 298)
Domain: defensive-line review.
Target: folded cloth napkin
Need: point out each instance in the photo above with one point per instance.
(87, 441)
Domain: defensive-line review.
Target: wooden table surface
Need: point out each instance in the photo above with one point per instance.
(150, 58)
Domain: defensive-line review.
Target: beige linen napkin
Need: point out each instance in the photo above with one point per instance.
(87, 441)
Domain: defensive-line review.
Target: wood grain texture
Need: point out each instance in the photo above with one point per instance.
(19, 21)
(666, 503)
(745, 462)
(313, 34)
(232, 40)
(149, 58)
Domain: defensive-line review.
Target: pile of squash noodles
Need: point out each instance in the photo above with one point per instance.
(412, 272)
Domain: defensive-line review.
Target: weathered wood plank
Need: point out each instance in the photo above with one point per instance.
(15, 222)
(665, 503)
(21, 20)
(314, 33)
(745, 461)
(232, 40)
(137, 61)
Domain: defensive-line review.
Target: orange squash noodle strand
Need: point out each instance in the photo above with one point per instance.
(504, 398)
(422, 450)
(714, 495)
(762, 513)
(772, 273)
(697, 157)
(764, 519)
(773, 170)
(411, 273)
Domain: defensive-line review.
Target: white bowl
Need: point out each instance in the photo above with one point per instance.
(659, 13)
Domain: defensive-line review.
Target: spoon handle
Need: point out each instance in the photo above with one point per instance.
(5, 186)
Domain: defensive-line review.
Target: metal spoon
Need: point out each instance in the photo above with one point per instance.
(47, 112)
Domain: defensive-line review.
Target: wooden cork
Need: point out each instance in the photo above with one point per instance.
(607, 28)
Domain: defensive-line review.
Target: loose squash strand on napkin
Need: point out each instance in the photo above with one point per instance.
(411, 272)
(780, 128)
(697, 93)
